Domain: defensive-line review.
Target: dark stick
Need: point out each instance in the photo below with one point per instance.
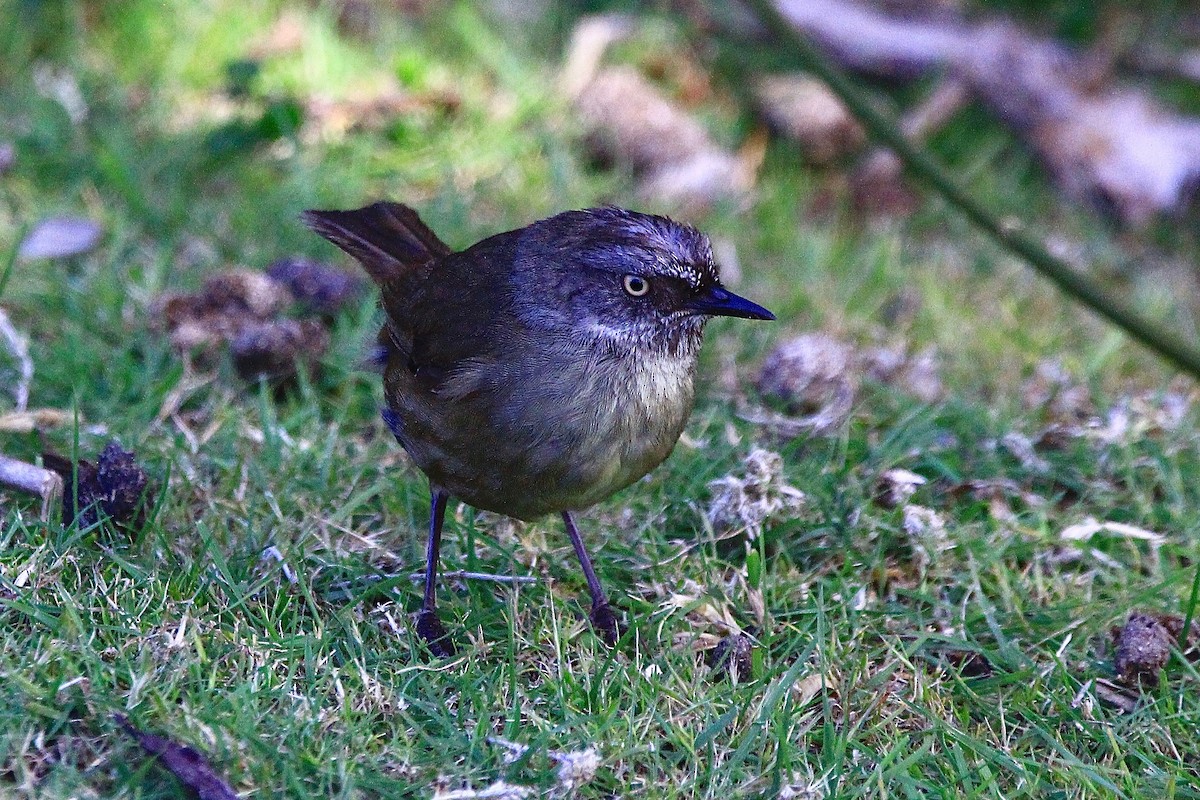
(601, 616)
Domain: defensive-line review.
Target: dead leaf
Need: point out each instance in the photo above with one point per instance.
(808, 688)
(38, 419)
(896, 486)
(1084, 531)
(60, 237)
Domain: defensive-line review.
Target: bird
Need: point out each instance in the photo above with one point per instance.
(539, 370)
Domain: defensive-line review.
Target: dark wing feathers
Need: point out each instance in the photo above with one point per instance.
(461, 315)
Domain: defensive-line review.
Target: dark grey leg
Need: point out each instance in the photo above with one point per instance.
(604, 621)
(429, 627)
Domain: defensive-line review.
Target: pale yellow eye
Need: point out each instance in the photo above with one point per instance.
(636, 285)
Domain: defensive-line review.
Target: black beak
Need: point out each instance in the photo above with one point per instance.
(717, 301)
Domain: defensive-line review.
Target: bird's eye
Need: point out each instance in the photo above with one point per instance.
(636, 285)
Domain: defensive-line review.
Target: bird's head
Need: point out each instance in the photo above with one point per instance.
(632, 280)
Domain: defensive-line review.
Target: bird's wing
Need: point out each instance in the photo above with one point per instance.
(452, 324)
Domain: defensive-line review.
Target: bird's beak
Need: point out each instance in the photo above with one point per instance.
(717, 301)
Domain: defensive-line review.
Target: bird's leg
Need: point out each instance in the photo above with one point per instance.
(429, 627)
(602, 617)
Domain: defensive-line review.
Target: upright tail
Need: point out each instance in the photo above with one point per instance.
(388, 239)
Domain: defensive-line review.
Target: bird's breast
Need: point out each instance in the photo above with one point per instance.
(563, 429)
(649, 400)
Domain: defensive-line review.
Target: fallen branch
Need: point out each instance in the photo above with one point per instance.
(1010, 233)
(32, 480)
(1114, 147)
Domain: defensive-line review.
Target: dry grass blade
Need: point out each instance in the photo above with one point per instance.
(18, 345)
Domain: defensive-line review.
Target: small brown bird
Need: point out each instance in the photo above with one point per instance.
(539, 370)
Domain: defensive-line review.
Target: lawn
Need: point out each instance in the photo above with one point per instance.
(951, 643)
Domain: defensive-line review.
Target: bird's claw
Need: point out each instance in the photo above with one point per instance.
(604, 622)
(430, 629)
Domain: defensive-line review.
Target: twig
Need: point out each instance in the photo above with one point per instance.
(1008, 232)
(342, 588)
(18, 345)
(34, 480)
(462, 574)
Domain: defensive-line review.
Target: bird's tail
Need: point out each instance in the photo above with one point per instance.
(388, 239)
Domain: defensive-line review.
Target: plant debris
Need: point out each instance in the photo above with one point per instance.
(1084, 531)
(804, 110)
(630, 123)
(321, 288)
(37, 419)
(1120, 697)
(927, 534)
(896, 486)
(60, 237)
(748, 504)
(1054, 392)
(18, 345)
(1115, 147)
(187, 764)
(115, 487)
(812, 376)
(1143, 648)
(734, 656)
(500, 790)
(244, 310)
(816, 378)
(918, 375)
(576, 768)
(329, 118)
(272, 348)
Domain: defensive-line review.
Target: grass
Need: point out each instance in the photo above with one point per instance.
(314, 688)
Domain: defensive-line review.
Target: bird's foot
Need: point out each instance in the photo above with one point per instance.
(604, 622)
(430, 629)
